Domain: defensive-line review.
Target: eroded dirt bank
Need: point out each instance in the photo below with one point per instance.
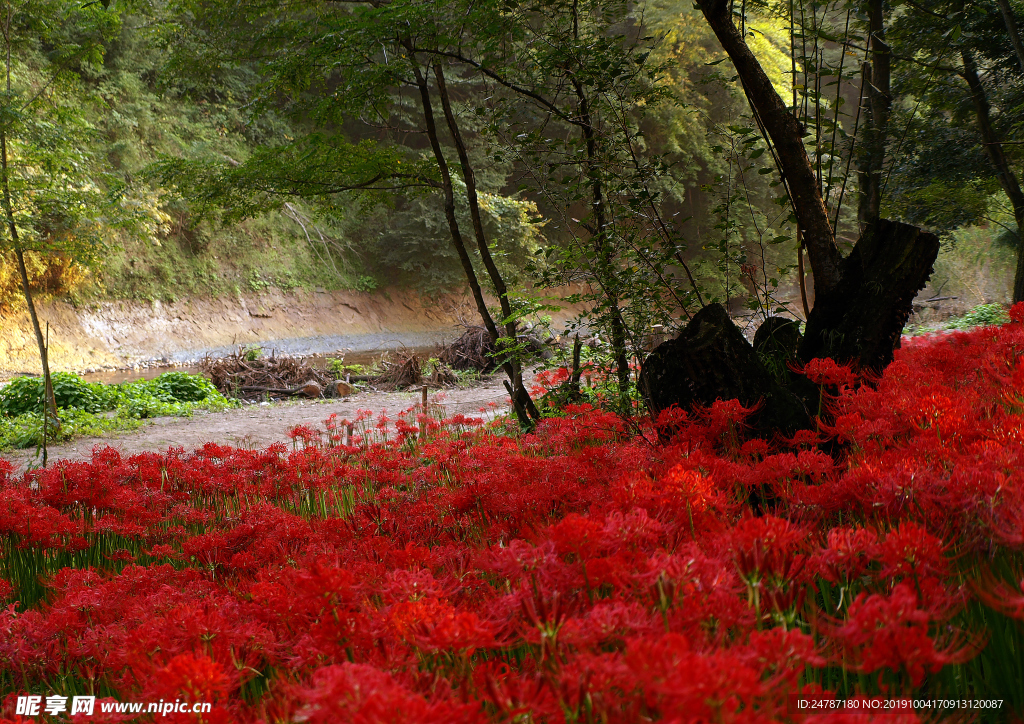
(119, 333)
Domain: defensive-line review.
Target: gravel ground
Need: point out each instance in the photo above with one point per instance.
(257, 426)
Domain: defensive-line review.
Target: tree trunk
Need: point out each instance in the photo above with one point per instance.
(786, 133)
(51, 400)
(860, 322)
(711, 360)
(1004, 172)
(519, 390)
(875, 111)
(602, 252)
(1011, 28)
(456, 234)
(12, 228)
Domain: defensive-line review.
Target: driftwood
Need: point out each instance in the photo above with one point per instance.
(250, 379)
(236, 375)
(404, 371)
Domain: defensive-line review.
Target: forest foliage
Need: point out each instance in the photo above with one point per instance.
(232, 147)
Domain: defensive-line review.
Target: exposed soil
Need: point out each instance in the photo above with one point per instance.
(257, 426)
(119, 333)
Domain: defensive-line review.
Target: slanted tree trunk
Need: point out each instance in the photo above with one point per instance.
(786, 133)
(19, 253)
(861, 303)
(1013, 30)
(469, 177)
(456, 235)
(1004, 172)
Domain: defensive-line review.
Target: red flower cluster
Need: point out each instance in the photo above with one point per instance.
(580, 573)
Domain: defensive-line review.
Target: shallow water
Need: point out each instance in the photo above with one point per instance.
(354, 349)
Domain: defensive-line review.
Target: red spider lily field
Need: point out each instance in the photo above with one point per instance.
(591, 571)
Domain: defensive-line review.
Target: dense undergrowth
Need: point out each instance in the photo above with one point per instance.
(93, 408)
(582, 573)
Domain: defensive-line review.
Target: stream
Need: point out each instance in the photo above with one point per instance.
(363, 349)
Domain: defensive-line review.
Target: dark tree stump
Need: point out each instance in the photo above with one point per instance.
(862, 320)
(711, 360)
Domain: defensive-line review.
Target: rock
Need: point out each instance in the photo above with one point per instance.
(778, 337)
(711, 360)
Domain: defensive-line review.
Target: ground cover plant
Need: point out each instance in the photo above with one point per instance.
(93, 408)
(586, 572)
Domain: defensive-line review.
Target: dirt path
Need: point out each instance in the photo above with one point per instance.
(256, 426)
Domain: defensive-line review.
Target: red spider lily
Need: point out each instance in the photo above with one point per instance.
(768, 546)
(194, 679)
(911, 551)
(453, 630)
(892, 632)
(682, 684)
(847, 555)
(578, 535)
(825, 371)
(545, 615)
(575, 573)
(304, 434)
(516, 697)
(997, 594)
(362, 694)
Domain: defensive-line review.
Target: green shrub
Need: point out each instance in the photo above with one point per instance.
(339, 369)
(72, 392)
(984, 315)
(25, 394)
(27, 430)
(172, 393)
(21, 395)
(183, 387)
(143, 399)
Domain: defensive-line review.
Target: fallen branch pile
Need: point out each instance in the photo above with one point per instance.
(405, 370)
(471, 351)
(475, 351)
(250, 379)
(237, 375)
